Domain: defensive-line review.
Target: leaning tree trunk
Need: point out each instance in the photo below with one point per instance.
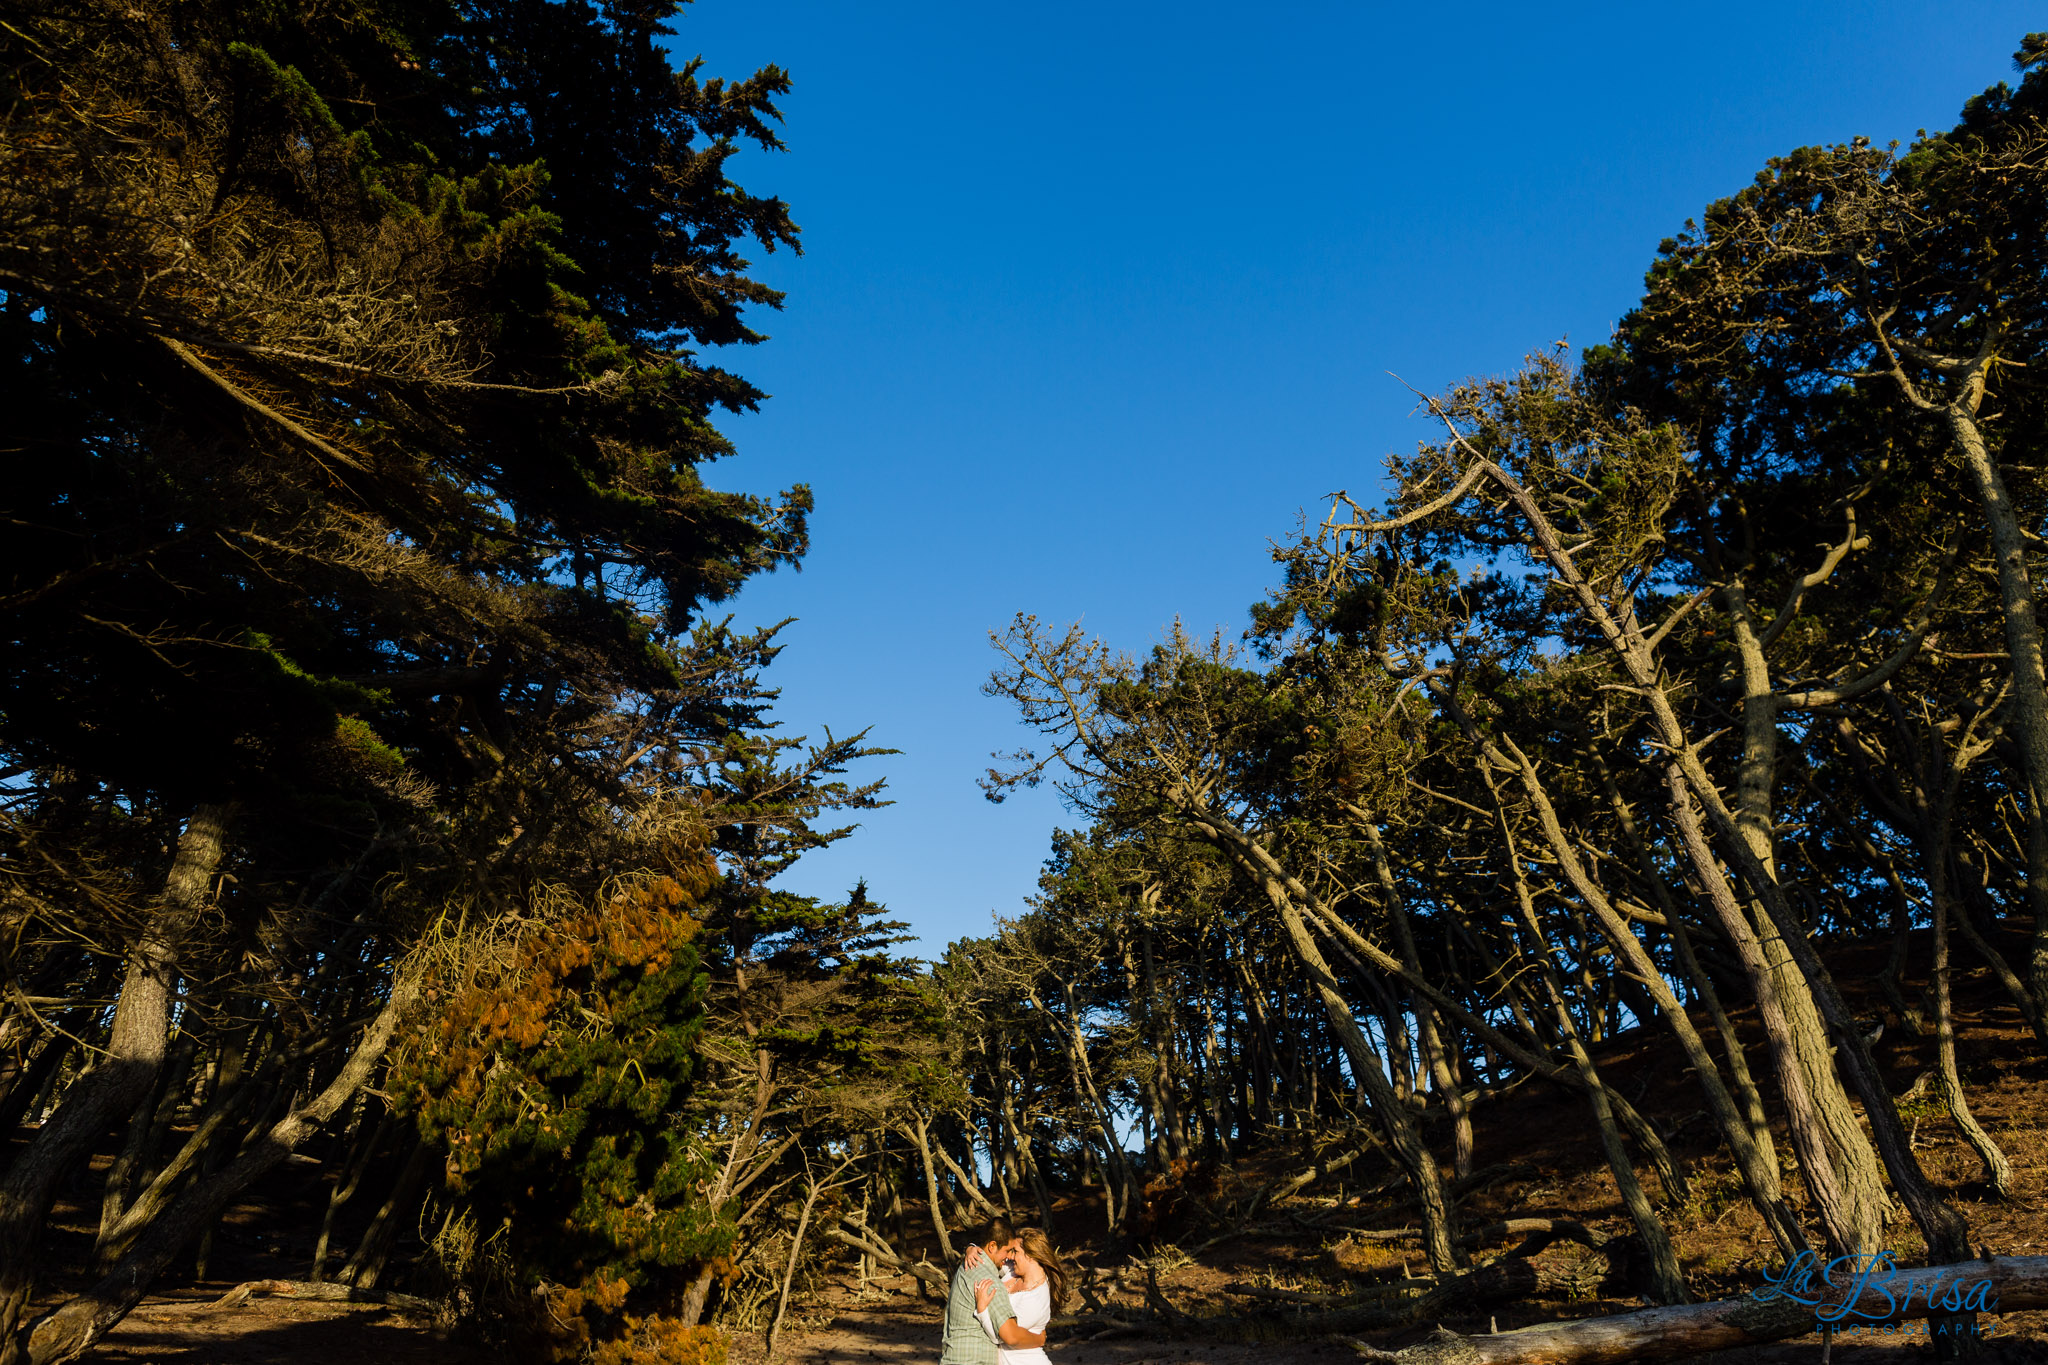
(1946, 1232)
(121, 1079)
(227, 1109)
(369, 1136)
(1751, 1160)
(812, 1189)
(1997, 1170)
(1119, 1183)
(366, 1265)
(75, 1327)
(921, 1136)
(1667, 1281)
(148, 1128)
(1439, 1238)
(696, 1296)
(1159, 1016)
(41, 1071)
(1427, 1030)
(1856, 1164)
(1816, 1163)
(2023, 642)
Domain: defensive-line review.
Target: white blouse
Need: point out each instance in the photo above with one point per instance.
(1033, 1308)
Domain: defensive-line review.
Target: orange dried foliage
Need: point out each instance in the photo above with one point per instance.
(1166, 1196)
(638, 928)
(553, 1089)
(662, 1341)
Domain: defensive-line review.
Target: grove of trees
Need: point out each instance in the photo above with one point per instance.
(379, 787)
(1654, 676)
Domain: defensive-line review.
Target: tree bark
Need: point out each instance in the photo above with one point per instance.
(118, 1082)
(366, 1265)
(2014, 1283)
(75, 1327)
(1439, 1241)
(147, 1129)
(1856, 1165)
(2023, 642)
(1815, 1162)
(694, 1299)
(1946, 1231)
(920, 1134)
(345, 1186)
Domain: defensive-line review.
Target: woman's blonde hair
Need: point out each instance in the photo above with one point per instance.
(1039, 1248)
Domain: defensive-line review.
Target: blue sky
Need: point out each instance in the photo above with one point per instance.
(1096, 299)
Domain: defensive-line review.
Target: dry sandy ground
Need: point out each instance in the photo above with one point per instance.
(1537, 1136)
(903, 1333)
(891, 1335)
(277, 1332)
(273, 1332)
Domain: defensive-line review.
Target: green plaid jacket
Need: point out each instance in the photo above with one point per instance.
(964, 1343)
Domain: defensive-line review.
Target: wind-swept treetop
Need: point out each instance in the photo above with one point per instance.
(356, 345)
(357, 541)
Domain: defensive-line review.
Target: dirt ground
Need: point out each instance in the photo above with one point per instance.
(897, 1332)
(1533, 1141)
(182, 1332)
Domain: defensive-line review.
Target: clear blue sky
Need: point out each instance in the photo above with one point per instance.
(1096, 298)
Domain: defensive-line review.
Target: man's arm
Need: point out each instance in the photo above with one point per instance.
(1001, 1317)
(999, 1305)
(1001, 1323)
(1013, 1334)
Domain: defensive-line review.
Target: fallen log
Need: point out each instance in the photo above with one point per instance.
(1293, 1296)
(1487, 1175)
(316, 1291)
(1552, 1228)
(1999, 1285)
(1371, 1234)
(925, 1271)
(1322, 1166)
(1392, 1292)
(1101, 1326)
(1456, 1190)
(1537, 1234)
(1507, 1280)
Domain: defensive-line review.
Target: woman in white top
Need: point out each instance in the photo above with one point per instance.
(1039, 1287)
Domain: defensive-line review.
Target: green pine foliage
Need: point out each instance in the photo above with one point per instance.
(361, 342)
(558, 1092)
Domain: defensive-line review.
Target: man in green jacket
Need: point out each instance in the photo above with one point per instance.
(964, 1343)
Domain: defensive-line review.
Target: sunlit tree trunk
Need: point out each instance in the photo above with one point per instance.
(118, 1081)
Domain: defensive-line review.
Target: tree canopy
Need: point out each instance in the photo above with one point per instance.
(365, 372)
(376, 777)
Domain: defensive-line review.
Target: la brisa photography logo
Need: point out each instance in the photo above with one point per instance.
(1863, 1292)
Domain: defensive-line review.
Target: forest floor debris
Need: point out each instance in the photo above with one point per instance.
(1336, 1240)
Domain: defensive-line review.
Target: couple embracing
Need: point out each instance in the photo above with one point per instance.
(999, 1318)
